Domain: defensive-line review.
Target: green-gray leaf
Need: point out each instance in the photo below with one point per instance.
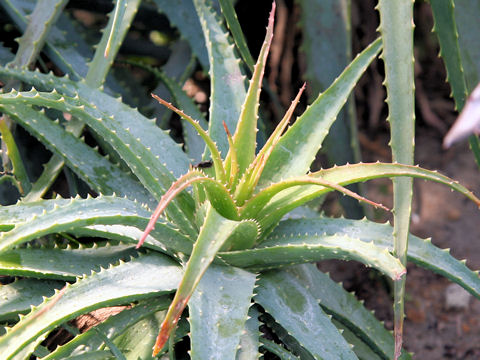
(421, 252)
(292, 156)
(295, 309)
(147, 276)
(299, 247)
(63, 264)
(218, 311)
(112, 327)
(19, 296)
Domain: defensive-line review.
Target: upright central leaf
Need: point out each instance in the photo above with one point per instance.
(396, 27)
(227, 81)
(244, 138)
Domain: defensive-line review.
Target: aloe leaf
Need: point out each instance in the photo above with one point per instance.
(114, 350)
(242, 237)
(474, 143)
(137, 340)
(41, 351)
(228, 12)
(76, 213)
(105, 210)
(446, 30)
(342, 305)
(249, 341)
(180, 14)
(360, 349)
(50, 171)
(396, 27)
(296, 310)
(70, 50)
(213, 234)
(233, 167)
(22, 181)
(325, 58)
(43, 17)
(154, 275)
(17, 297)
(117, 28)
(99, 173)
(367, 171)
(254, 205)
(218, 312)
(5, 55)
(178, 68)
(141, 158)
(299, 248)
(459, 42)
(121, 115)
(193, 142)
(67, 47)
(63, 45)
(128, 229)
(466, 11)
(28, 350)
(227, 82)
(251, 177)
(344, 175)
(117, 18)
(136, 343)
(292, 157)
(277, 349)
(112, 328)
(244, 138)
(421, 252)
(68, 59)
(61, 264)
(11, 215)
(18, 11)
(287, 340)
(253, 173)
(158, 240)
(95, 355)
(216, 158)
(219, 195)
(105, 53)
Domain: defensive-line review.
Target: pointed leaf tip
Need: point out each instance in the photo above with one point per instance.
(169, 324)
(271, 18)
(226, 129)
(216, 158)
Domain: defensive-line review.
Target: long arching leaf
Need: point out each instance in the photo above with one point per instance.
(281, 250)
(153, 275)
(77, 213)
(344, 175)
(227, 81)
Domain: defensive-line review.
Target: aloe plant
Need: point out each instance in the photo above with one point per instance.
(229, 248)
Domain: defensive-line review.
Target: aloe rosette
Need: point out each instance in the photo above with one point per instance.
(216, 245)
(234, 195)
